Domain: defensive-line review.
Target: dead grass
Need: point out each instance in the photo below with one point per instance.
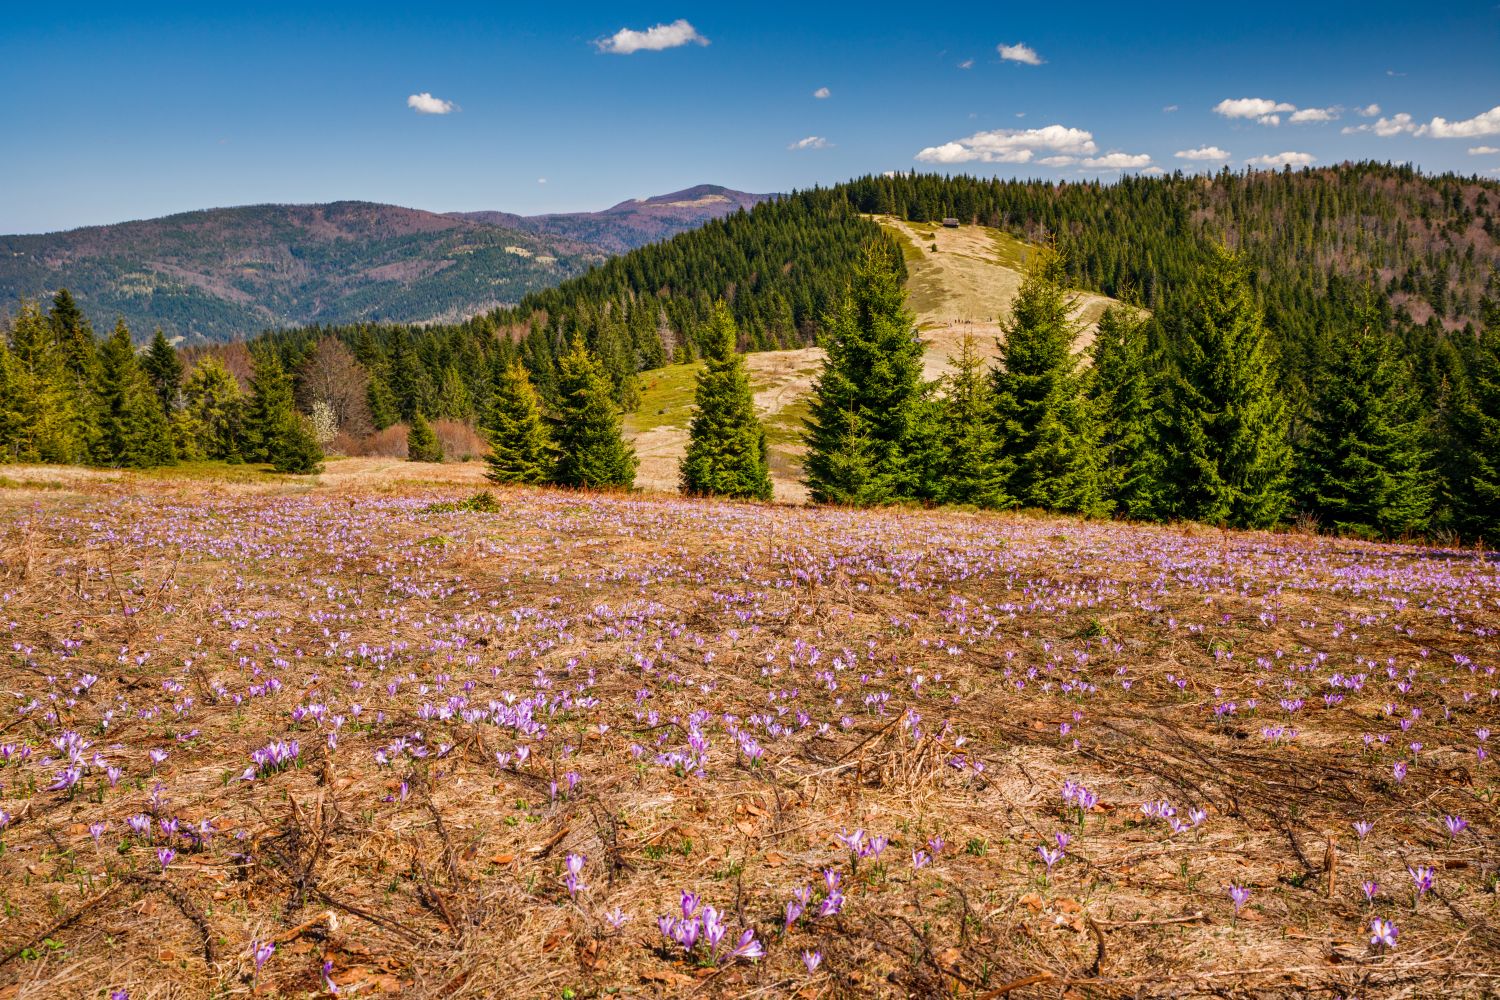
(1044, 650)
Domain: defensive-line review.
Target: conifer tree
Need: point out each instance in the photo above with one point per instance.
(453, 396)
(591, 451)
(135, 433)
(164, 369)
(1047, 436)
(80, 358)
(971, 469)
(521, 448)
(270, 396)
(212, 411)
(422, 445)
(1473, 486)
(11, 419)
(1125, 392)
(869, 393)
(383, 409)
(1227, 450)
(292, 446)
(1364, 464)
(726, 452)
(40, 419)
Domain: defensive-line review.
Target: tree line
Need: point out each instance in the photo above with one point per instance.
(1180, 414)
(68, 396)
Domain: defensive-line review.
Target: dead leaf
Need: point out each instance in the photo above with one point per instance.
(774, 858)
(666, 977)
(503, 859)
(590, 954)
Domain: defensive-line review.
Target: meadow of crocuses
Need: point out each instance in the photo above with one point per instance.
(301, 742)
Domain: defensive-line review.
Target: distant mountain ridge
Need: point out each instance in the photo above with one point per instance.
(225, 273)
(633, 223)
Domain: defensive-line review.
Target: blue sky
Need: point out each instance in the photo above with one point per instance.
(110, 115)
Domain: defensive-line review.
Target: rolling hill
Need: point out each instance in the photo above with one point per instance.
(633, 223)
(964, 286)
(229, 273)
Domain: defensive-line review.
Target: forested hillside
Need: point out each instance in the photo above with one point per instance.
(225, 273)
(632, 223)
(1321, 343)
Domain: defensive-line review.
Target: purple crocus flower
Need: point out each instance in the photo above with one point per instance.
(812, 959)
(747, 947)
(1239, 896)
(1422, 877)
(1383, 933)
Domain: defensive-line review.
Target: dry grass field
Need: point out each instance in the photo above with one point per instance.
(298, 737)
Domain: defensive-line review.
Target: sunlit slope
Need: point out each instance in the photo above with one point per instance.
(966, 286)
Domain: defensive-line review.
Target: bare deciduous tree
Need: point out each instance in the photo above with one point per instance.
(333, 375)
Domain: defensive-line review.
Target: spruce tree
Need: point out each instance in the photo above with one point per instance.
(869, 393)
(591, 451)
(521, 449)
(212, 410)
(1473, 486)
(453, 400)
(422, 445)
(1125, 392)
(135, 432)
(1228, 456)
(164, 369)
(971, 469)
(80, 353)
(270, 397)
(1364, 464)
(726, 452)
(292, 446)
(383, 409)
(40, 419)
(1048, 440)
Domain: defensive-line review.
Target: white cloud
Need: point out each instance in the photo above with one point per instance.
(966, 64)
(1482, 150)
(653, 39)
(822, 93)
(1153, 171)
(425, 104)
(541, 180)
(1008, 145)
(1303, 116)
(1058, 161)
(1486, 123)
(1119, 161)
(1396, 124)
(1287, 159)
(811, 142)
(1021, 53)
(1169, 109)
(1259, 108)
(1202, 153)
(1368, 111)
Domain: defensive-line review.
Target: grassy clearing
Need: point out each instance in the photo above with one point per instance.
(706, 697)
(666, 398)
